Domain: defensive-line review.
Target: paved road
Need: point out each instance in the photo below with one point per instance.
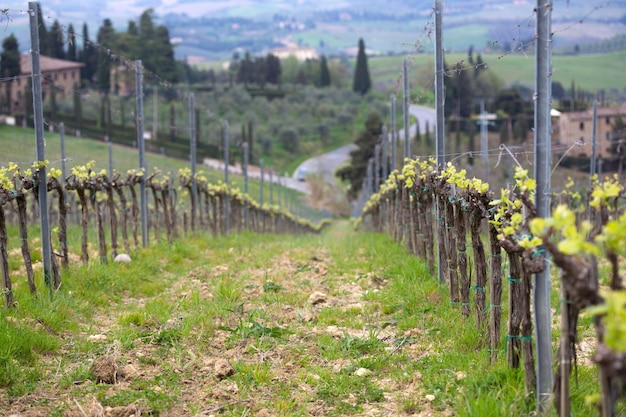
(327, 163)
(255, 172)
(422, 114)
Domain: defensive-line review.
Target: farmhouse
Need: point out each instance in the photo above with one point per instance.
(61, 74)
(302, 53)
(573, 126)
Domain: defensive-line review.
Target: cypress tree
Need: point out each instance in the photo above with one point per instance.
(10, 64)
(359, 158)
(88, 56)
(273, 69)
(106, 37)
(71, 43)
(55, 41)
(44, 47)
(324, 73)
(362, 81)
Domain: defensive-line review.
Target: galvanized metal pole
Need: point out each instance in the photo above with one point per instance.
(439, 103)
(376, 167)
(594, 141)
(262, 167)
(279, 191)
(407, 115)
(192, 147)
(384, 144)
(245, 183)
(155, 112)
(142, 153)
(542, 315)
(63, 157)
(392, 114)
(370, 178)
(110, 149)
(439, 86)
(226, 158)
(46, 247)
(484, 143)
(271, 187)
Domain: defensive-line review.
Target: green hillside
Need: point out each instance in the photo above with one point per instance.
(18, 146)
(592, 72)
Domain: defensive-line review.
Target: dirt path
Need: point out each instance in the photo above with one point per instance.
(255, 326)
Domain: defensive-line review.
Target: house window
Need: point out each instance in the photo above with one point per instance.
(607, 135)
(64, 76)
(582, 125)
(608, 120)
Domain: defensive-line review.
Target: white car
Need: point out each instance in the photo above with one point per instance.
(301, 175)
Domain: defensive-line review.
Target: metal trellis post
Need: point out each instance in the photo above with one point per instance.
(407, 114)
(192, 147)
(226, 157)
(439, 103)
(63, 157)
(392, 113)
(245, 183)
(46, 247)
(142, 153)
(542, 149)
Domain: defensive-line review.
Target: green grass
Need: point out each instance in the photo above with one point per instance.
(19, 146)
(177, 308)
(591, 72)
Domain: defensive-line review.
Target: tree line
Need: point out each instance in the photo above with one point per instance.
(142, 40)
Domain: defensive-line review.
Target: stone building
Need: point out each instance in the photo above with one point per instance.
(63, 75)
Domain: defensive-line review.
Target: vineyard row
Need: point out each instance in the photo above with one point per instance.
(114, 203)
(441, 215)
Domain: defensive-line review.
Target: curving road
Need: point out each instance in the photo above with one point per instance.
(325, 164)
(422, 114)
(328, 163)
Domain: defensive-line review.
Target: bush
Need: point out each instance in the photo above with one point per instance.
(290, 140)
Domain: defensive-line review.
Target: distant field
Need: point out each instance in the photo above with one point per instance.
(591, 72)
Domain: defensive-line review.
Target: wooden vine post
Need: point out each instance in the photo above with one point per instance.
(451, 243)
(7, 287)
(495, 292)
(108, 186)
(78, 182)
(24, 183)
(132, 179)
(96, 205)
(118, 186)
(465, 284)
(155, 196)
(55, 185)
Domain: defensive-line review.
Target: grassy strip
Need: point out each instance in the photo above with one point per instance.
(225, 325)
